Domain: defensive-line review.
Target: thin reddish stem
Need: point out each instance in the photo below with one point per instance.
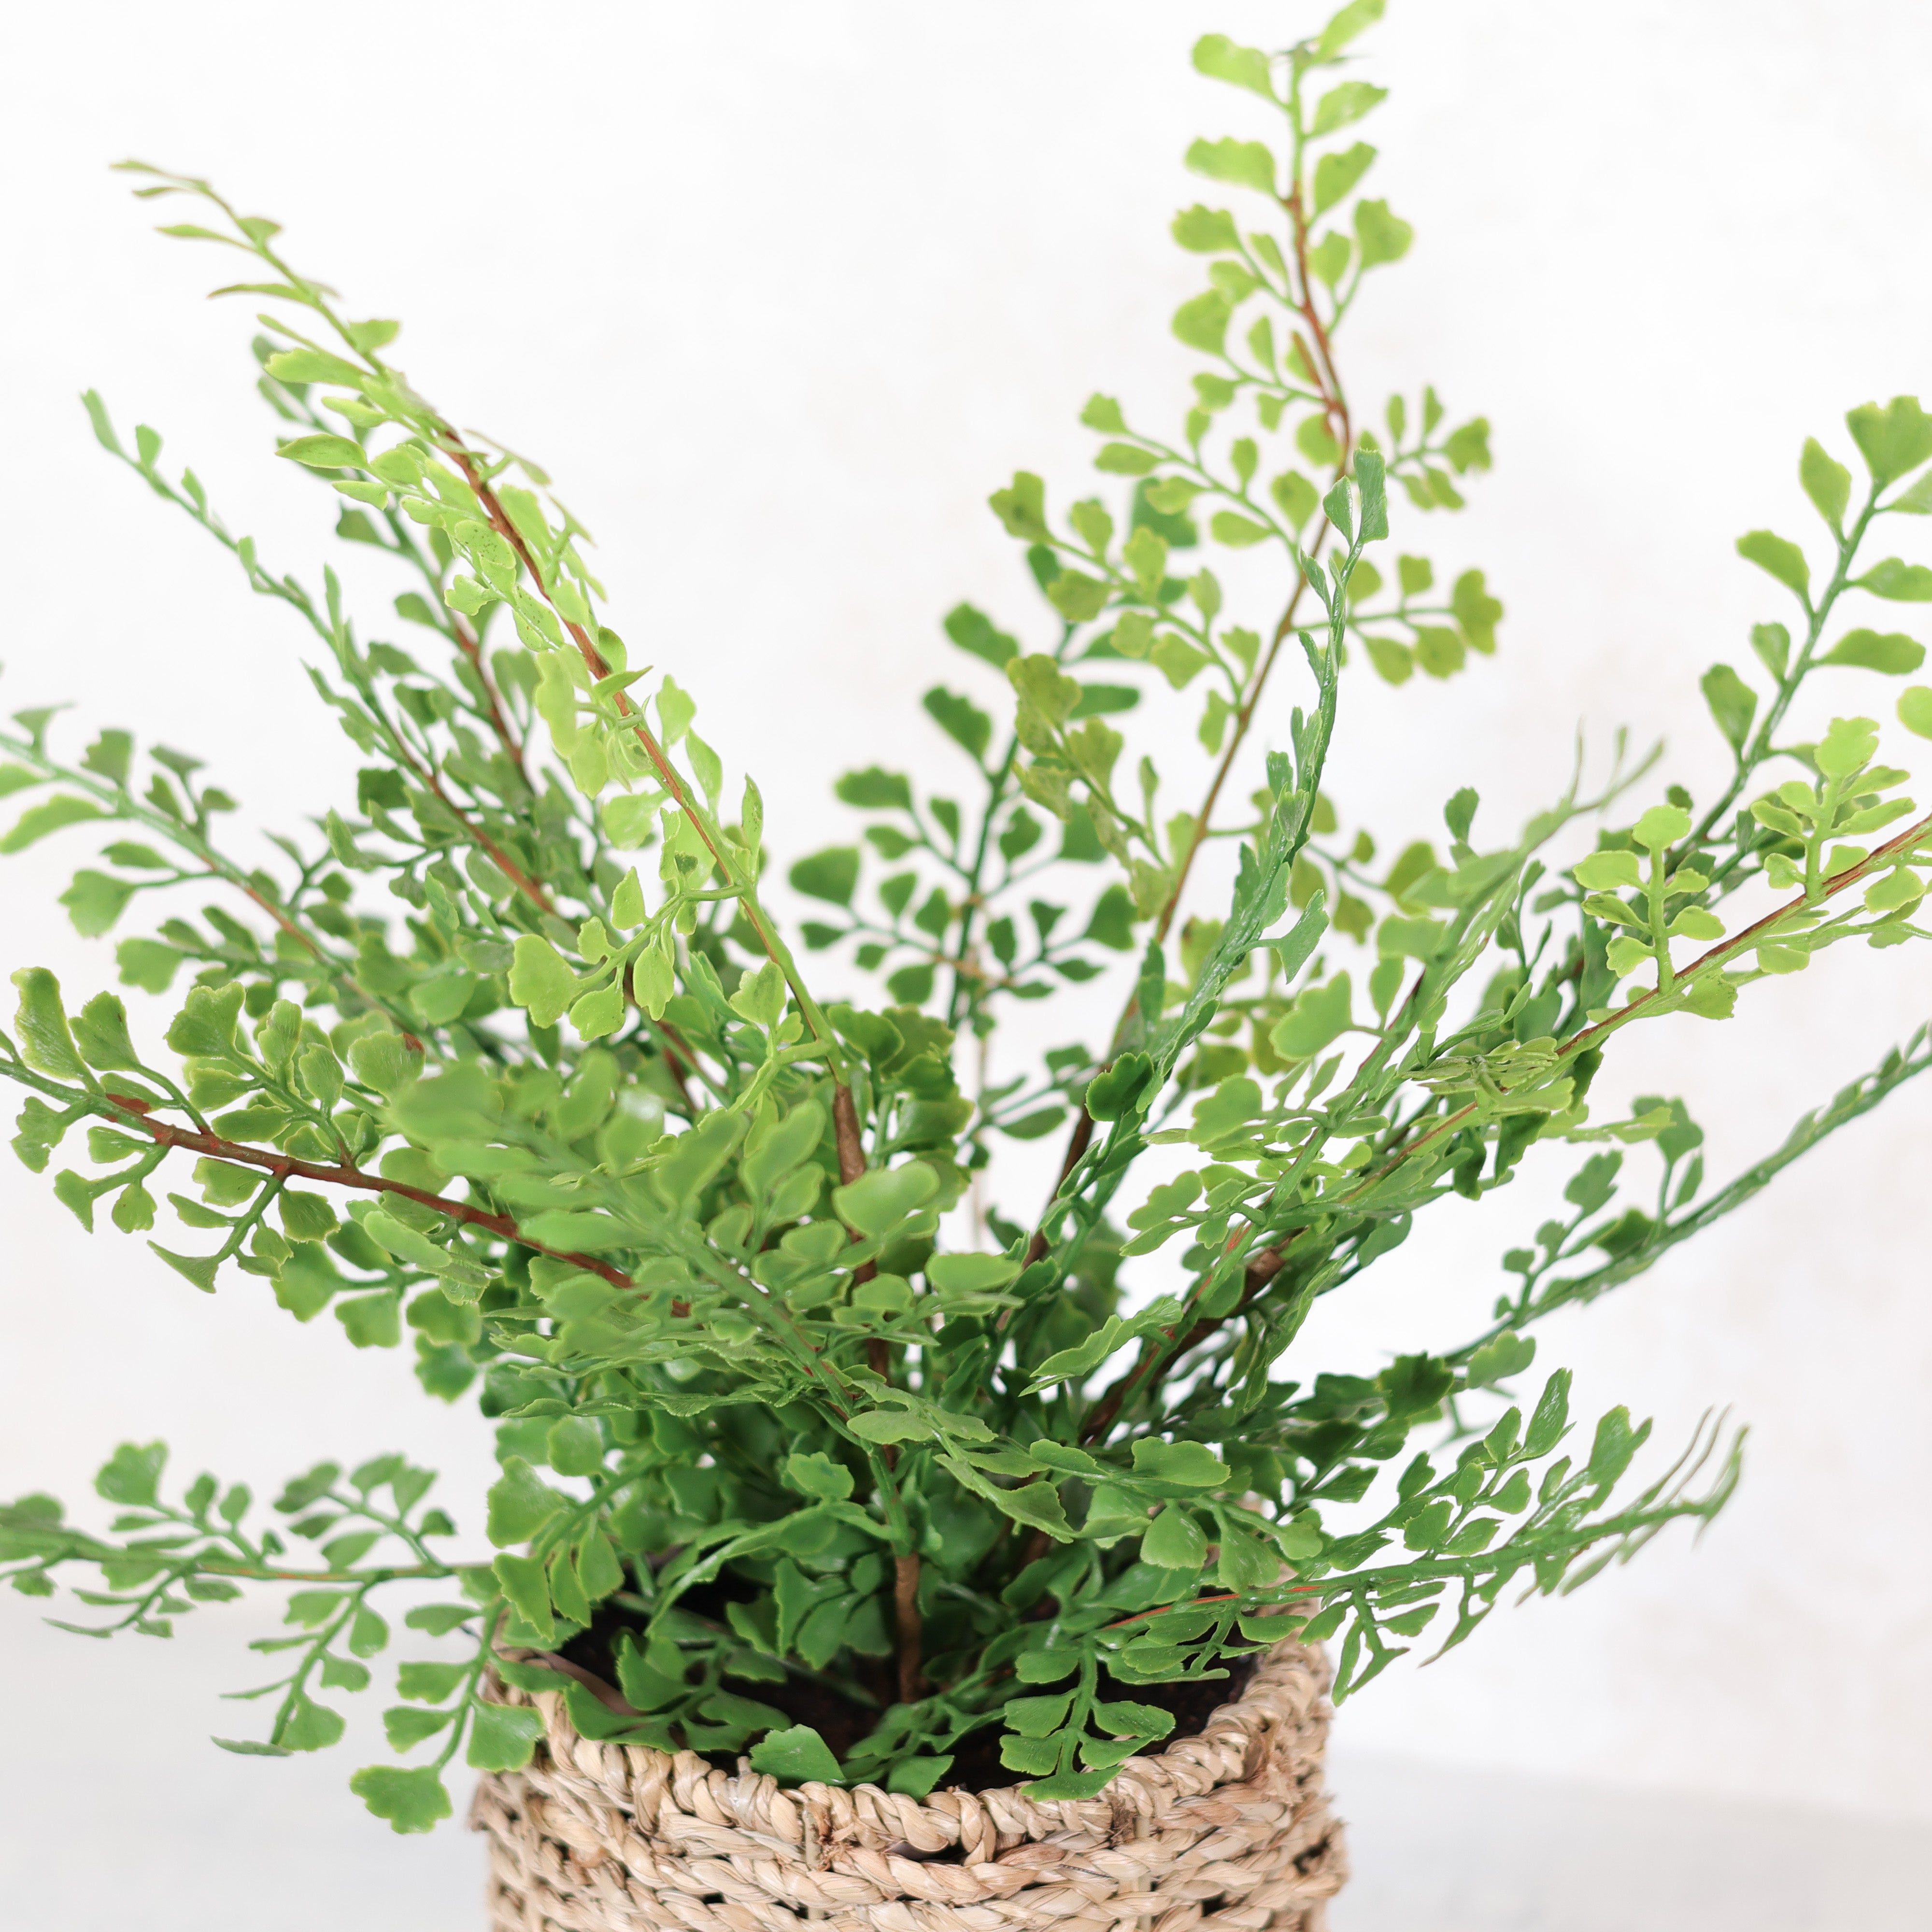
(1321, 372)
(346, 1174)
(905, 1611)
(599, 668)
(466, 642)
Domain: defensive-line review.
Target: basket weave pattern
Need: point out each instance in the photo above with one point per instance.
(1228, 1831)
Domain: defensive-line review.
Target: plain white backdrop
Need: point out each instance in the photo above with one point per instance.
(779, 291)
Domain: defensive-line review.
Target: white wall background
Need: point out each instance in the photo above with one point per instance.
(779, 291)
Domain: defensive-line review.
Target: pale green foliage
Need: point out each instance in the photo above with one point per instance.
(576, 1124)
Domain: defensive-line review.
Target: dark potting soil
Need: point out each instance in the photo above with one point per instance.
(842, 1723)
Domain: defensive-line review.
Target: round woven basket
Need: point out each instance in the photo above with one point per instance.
(1228, 1831)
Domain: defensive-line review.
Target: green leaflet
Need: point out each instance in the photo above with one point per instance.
(1336, 175)
(1380, 236)
(1202, 323)
(50, 815)
(1190, 1464)
(1732, 703)
(972, 631)
(313, 365)
(831, 875)
(1893, 440)
(1345, 26)
(1037, 1505)
(45, 1042)
(1783, 559)
(412, 1800)
(520, 1504)
(1246, 163)
(885, 1198)
(799, 1755)
(1222, 59)
(1902, 583)
(1175, 1542)
(501, 1737)
(1828, 484)
(1871, 650)
(1088, 1356)
(1320, 1016)
(323, 452)
(540, 981)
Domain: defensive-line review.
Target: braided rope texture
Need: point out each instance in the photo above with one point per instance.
(1228, 1831)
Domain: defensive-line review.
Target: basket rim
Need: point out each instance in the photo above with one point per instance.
(1283, 1700)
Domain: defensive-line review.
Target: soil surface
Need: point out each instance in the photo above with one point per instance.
(842, 1723)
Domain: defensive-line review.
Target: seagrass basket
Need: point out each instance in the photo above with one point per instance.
(1228, 1831)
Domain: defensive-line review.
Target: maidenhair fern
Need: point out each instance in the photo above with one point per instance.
(511, 1057)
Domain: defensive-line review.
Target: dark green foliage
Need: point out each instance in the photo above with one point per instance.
(512, 1056)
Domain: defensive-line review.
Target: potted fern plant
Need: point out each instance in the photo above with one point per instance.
(858, 1546)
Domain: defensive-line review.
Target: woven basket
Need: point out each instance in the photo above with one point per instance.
(1227, 1831)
